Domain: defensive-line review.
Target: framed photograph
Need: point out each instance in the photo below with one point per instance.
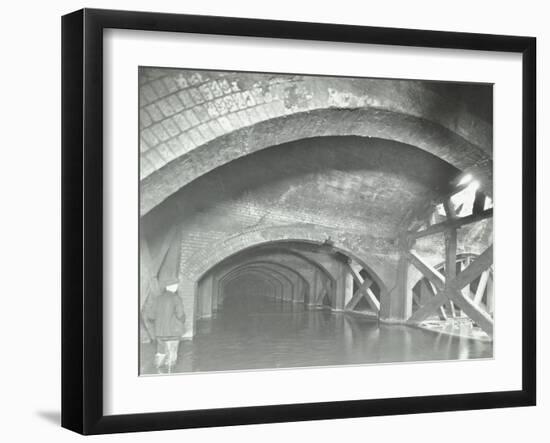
(270, 221)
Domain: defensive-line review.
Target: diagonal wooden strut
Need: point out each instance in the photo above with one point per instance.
(363, 291)
(475, 269)
(451, 223)
(434, 276)
(449, 287)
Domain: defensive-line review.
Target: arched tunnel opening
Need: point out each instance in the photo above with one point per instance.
(317, 237)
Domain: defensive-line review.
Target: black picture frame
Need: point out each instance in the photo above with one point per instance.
(82, 220)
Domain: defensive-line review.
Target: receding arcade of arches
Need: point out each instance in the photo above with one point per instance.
(336, 204)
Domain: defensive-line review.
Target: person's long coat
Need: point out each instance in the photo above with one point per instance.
(167, 315)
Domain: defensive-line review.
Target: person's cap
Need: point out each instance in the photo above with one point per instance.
(171, 284)
(172, 288)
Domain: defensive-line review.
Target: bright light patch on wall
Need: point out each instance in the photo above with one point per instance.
(466, 179)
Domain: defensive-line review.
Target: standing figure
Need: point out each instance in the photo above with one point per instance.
(167, 314)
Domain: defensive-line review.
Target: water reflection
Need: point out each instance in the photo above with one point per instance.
(252, 332)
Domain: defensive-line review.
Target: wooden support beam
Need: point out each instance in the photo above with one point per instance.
(368, 295)
(452, 308)
(463, 265)
(429, 308)
(356, 276)
(354, 301)
(364, 286)
(490, 302)
(479, 203)
(363, 291)
(481, 318)
(372, 300)
(435, 277)
(442, 313)
(449, 287)
(450, 254)
(450, 262)
(449, 208)
(475, 269)
(451, 224)
(481, 287)
(417, 218)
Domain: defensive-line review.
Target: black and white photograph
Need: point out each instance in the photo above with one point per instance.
(295, 221)
(275, 221)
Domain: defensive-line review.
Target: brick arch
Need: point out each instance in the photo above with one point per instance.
(281, 250)
(267, 264)
(274, 253)
(271, 280)
(211, 256)
(280, 274)
(369, 122)
(277, 276)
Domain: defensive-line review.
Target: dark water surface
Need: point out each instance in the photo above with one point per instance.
(252, 332)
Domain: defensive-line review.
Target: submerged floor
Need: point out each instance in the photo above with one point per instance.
(260, 333)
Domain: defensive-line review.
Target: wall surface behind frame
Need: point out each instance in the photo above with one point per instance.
(30, 184)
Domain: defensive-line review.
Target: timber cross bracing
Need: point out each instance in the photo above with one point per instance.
(453, 289)
(362, 291)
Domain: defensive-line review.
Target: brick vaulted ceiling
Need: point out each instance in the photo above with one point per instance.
(192, 122)
(352, 185)
(356, 184)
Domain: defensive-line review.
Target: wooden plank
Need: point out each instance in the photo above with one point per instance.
(450, 224)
